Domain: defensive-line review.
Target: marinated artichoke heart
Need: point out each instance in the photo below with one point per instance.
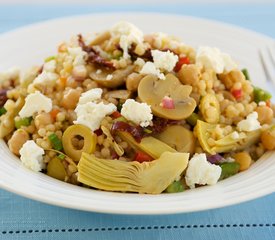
(150, 145)
(226, 144)
(147, 177)
(151, 90)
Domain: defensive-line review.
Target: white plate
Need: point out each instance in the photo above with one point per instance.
(30, 45)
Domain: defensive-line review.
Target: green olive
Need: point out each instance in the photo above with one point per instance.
(84, 132)
(179, 138)
(56, 169)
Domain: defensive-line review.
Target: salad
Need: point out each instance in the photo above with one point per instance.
(125, 111)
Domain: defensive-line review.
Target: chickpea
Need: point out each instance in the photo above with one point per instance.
(265, 114)
(70, 99)
(268, 139)
(232, 77)
(42, 119)
(17, 140)
(244, 159)
(133, 81)
(210, 108)
(189, 74)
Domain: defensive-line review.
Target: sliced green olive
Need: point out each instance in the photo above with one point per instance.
(210, 108)
(152, 91)
(56, 169)
(179, 138)
(111, 79)
(147, 177)
(84, 132)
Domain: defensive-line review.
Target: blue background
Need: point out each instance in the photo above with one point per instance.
(22, 218)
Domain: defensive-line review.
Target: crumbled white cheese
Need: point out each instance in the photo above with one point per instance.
(262, 103)
(11, 73)
(139, 62)
(213, 58)
(109, 77)
(201, 172)
(139, 113)
(98, 71)
(249, 124)
(91, 114)
(164, 60)
(150, 68)
(128, 34)
(78, 55)
(31, 155)
(90, 96)
(235, 135)
(46, 78)
(35, 102)
(49, 66)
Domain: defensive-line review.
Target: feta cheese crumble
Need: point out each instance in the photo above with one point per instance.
(128, 34)
(213, 58)
(46, 78)
(150, 68)
(164, 60)
(139, 113)
(90, 96)
(249, 124)
(49, 66)
(78, 55)
(35, 102)
(31, 155)
(202, 172)
(89, 112)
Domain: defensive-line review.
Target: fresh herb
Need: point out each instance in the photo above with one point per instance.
(192, 119)
(56, 142)
(23, 122)
(61, 156)
(229, 169)
(246, 74)
(50, 58)
(261, 95)
(175, 187)
(2, 111)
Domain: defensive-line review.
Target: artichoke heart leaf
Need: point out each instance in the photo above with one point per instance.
(227, 143)
(147, 177)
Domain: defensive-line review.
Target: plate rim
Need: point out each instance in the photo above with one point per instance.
(40, 198)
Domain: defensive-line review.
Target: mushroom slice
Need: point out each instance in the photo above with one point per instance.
(112, 79)
(179, 138)
(147, 177)
(227, 143)
(152, 91)
(119, 94)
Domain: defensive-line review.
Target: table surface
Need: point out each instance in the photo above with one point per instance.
(21, 218)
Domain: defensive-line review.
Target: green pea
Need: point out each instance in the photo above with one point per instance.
(192, 119)
(229, 169)
(175, 187)
(261, 95)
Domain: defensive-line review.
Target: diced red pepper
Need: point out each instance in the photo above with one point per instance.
(167, 103)
(142, 157)
(237, 93)
(116, 114)
(181, 61)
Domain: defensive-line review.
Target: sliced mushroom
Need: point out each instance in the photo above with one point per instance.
(147, 177)
(111, 79)
(179, 138)
(151, 90)
(119, 94)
